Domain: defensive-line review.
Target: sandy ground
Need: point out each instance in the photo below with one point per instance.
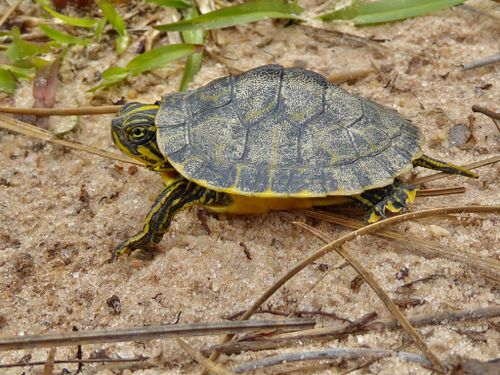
(62, 212)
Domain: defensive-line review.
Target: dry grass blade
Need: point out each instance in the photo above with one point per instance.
(77, 361)
(440, 191)
(336, 353)
(494, 116)
(486, 266)
(9, 11)
(348, 237)
(489, 60)
(438, 176)
(48, 369)
(148, 333)
(358, 327)
(348, 75)
(106, 109)
(33, 131)
(391, 306)
(207, 363)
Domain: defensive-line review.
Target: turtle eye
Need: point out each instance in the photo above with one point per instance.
(137, 133)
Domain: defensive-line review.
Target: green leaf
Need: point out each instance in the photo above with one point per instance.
(100, 28)
(159, 57)
(111, 77)
(118, 24)
(18, 72)
(7, 82)
(115, 74)
(73, 21)
(61, 37)
(172, 3)
(20, 50)
(122, 43)
(113, 17)
(193, 63)
(388, 10)
(238, 14)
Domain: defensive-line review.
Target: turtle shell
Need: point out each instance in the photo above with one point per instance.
(280, 132)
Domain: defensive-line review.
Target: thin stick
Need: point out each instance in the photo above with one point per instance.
(494, 116)
(348, 237)
(106, 109)
(9, 11)
(391, 306)
(440, 191)
(70, 361)
(147, 333)
(337, 353)
(486, 111)
(348, 75)
(205, 362)
(438, 176)
(482, 62)
(34, 131)
(334, 332)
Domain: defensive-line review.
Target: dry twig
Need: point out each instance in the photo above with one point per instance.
(391, 306)
(9, 11)
(486, 266)
(348, 237)
(337, 353)
(205, 362)
(489, 60)
(105, 109)
(36, 132)
(147, 333)
(360, 326)
(494, 116)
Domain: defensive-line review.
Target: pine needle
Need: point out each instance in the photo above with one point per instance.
(24, 128)
(486, 266)
(205, 362)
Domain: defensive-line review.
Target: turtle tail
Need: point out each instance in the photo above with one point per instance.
(428, 162)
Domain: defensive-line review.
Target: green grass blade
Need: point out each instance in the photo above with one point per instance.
(18, 72)
(73, 21)
(61, 37)
(234, 15)
(7, 82)
(388, 10)
(400, 14)
(180, 4)
(113, 17)
(110, 77)
(99, 28)
(159, 57)
(193, 63)
(20, 50)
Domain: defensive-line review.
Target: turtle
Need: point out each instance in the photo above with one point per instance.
(270, 138)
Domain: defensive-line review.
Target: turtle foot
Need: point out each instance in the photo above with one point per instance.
(392, 198)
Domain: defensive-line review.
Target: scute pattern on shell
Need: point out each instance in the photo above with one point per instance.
(284, 132)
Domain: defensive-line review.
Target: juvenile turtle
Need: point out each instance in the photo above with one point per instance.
(271, 138)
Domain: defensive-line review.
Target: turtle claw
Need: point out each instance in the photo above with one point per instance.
(122, 249)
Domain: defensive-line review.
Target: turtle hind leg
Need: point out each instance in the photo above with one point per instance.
(393, 198)
(428, 162)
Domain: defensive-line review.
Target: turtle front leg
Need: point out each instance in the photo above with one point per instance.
(175, 197)
(392, 198)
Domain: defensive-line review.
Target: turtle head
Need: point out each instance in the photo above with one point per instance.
(133, 130)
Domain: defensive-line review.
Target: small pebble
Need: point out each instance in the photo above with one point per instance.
(459, 135)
